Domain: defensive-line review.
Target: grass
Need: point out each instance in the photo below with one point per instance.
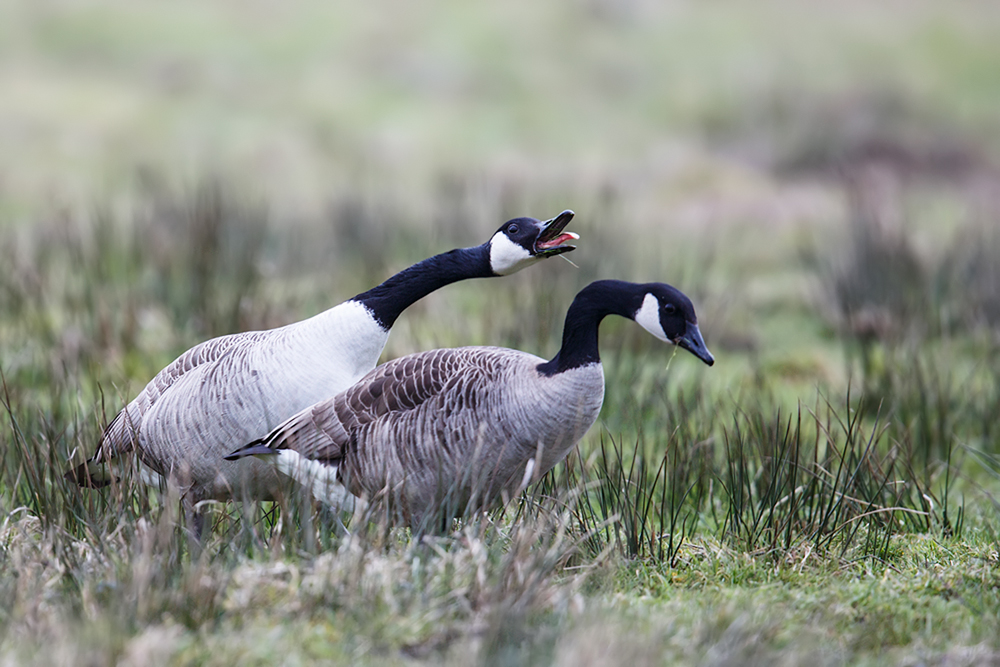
(821, 182)
(720, 522)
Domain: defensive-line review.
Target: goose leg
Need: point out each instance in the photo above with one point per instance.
(194, 521)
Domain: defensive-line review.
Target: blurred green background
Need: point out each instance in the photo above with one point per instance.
(673, 101)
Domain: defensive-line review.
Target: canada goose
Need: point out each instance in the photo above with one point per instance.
(238, 387)
(442, 432)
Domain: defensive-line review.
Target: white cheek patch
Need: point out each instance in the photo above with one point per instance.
(648, 317)
(506, 257)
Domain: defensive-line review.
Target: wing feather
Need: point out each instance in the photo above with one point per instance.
(120, 435)
(323, 431)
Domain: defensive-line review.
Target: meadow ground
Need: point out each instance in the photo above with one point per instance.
(821, 180)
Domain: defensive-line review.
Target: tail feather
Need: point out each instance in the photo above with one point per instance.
(255, 448)
(90, 475)
(118, 438)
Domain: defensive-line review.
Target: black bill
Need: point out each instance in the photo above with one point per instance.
(552, 239)
(695, 344)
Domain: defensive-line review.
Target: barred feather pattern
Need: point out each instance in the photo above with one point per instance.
(121, 434)
(454, 428)
(235, 388)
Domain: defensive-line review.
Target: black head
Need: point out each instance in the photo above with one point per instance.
(669, 315)
(523, 241)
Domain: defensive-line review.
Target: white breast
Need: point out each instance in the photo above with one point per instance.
(243, 395)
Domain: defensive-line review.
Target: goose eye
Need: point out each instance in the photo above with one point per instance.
(512, 229)
(670, 309)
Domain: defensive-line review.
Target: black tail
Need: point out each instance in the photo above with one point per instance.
(255, 448)
(82, 476)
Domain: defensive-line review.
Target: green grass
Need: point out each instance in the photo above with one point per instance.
(732, 516)
(931, 599)
(827, 492)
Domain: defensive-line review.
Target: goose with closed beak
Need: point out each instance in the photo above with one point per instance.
(238, 387)
(441, 433)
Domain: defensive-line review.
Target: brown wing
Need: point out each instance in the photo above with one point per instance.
(323, 430)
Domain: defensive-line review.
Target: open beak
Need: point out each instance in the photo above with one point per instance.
(551, 238)
(695, 344)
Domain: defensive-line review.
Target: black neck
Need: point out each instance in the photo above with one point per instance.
(594, 302)
(399, 292)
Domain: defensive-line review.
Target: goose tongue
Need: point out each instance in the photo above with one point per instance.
(562, 238)
(552, 237)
